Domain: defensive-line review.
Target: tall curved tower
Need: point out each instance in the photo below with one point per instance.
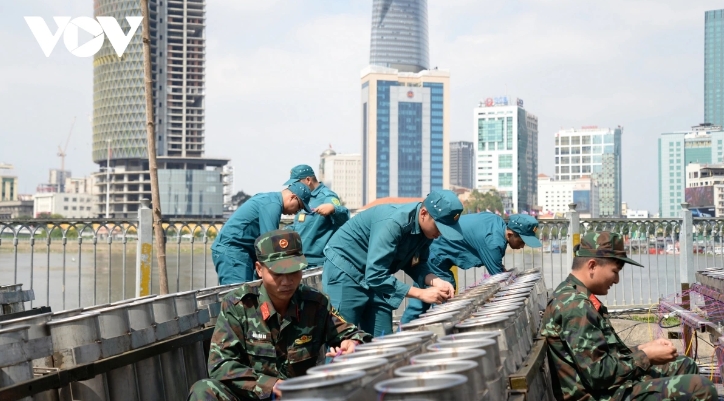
(399, 35)
(190, 183)
(119, 105)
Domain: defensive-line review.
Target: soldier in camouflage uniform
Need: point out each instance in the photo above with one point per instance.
(273, 331)
(587, 358)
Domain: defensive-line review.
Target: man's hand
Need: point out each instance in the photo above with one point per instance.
(659, 353)
(346, 347)
(443, 285)
(276, 391)
(324, 210)
(433, 295)
(659, 341)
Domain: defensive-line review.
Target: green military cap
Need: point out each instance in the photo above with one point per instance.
(280, 251)
(604, 244)
(299, 172)
(445, 208)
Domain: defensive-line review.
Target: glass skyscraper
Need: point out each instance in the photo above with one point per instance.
(399, 35)
(704, 144)
(714, 67)
(462, 164)
(404, 133)
(595, 152)
(506, 138)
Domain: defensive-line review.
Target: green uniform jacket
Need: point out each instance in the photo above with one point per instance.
(315, 229)
(379, 242)
(253, 346)
(590, 359)
(258, 215)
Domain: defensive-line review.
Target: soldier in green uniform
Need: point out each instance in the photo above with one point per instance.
(273, 331)
(587, 358)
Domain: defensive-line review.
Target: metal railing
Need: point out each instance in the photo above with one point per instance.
(89, 262)
(85, 262)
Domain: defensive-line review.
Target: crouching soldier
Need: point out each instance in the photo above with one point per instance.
(270, 332)
(587, 358)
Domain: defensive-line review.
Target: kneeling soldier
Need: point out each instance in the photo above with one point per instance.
(270, 332)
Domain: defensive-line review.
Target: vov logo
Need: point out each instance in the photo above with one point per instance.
(69, 29)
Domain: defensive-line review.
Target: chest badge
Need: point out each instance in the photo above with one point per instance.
(303, 340)
(301, 218)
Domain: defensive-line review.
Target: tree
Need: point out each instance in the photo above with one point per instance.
(481, 202)
(48, 215)
(239, 198)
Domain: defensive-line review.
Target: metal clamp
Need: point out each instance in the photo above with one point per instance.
(17, 296)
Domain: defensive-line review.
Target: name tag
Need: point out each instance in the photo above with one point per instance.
(301, 218)
(258, 336)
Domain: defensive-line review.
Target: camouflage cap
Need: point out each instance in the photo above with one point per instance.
(604, 244)
(280, 251)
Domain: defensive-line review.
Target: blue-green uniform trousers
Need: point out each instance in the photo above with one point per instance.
(315, 229)
(677, 380)
(359, 306)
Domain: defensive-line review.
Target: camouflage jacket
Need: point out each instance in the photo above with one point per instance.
(589, 358)
(253, 346)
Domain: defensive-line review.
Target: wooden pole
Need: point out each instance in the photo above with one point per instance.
(151, 139)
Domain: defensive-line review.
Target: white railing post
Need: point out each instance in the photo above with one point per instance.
(686, 247)
(144, 251)
(574, 233)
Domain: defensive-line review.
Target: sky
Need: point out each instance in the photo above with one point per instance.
(283, 79)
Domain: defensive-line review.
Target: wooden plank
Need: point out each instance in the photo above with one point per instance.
(523, 378)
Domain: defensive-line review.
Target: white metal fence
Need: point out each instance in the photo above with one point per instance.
(80, 263)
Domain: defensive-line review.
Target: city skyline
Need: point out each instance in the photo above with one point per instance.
(570, 67)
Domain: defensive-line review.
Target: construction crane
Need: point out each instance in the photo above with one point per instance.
(62, 154)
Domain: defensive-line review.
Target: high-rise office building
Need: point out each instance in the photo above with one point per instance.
(343, 174)
(190, 184)
(404, 107)
(405, 128)
(506, 138)
(703, 144)
(594, 152)
(462, 164)
(399, 35)
(714, 67)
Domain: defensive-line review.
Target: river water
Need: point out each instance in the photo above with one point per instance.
(640, 287)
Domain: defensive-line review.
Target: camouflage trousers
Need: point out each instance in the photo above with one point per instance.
(211, 390)
(677, 380)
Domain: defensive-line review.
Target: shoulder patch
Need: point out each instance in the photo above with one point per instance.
(336, 202)
(596, 303)
(264, 311)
